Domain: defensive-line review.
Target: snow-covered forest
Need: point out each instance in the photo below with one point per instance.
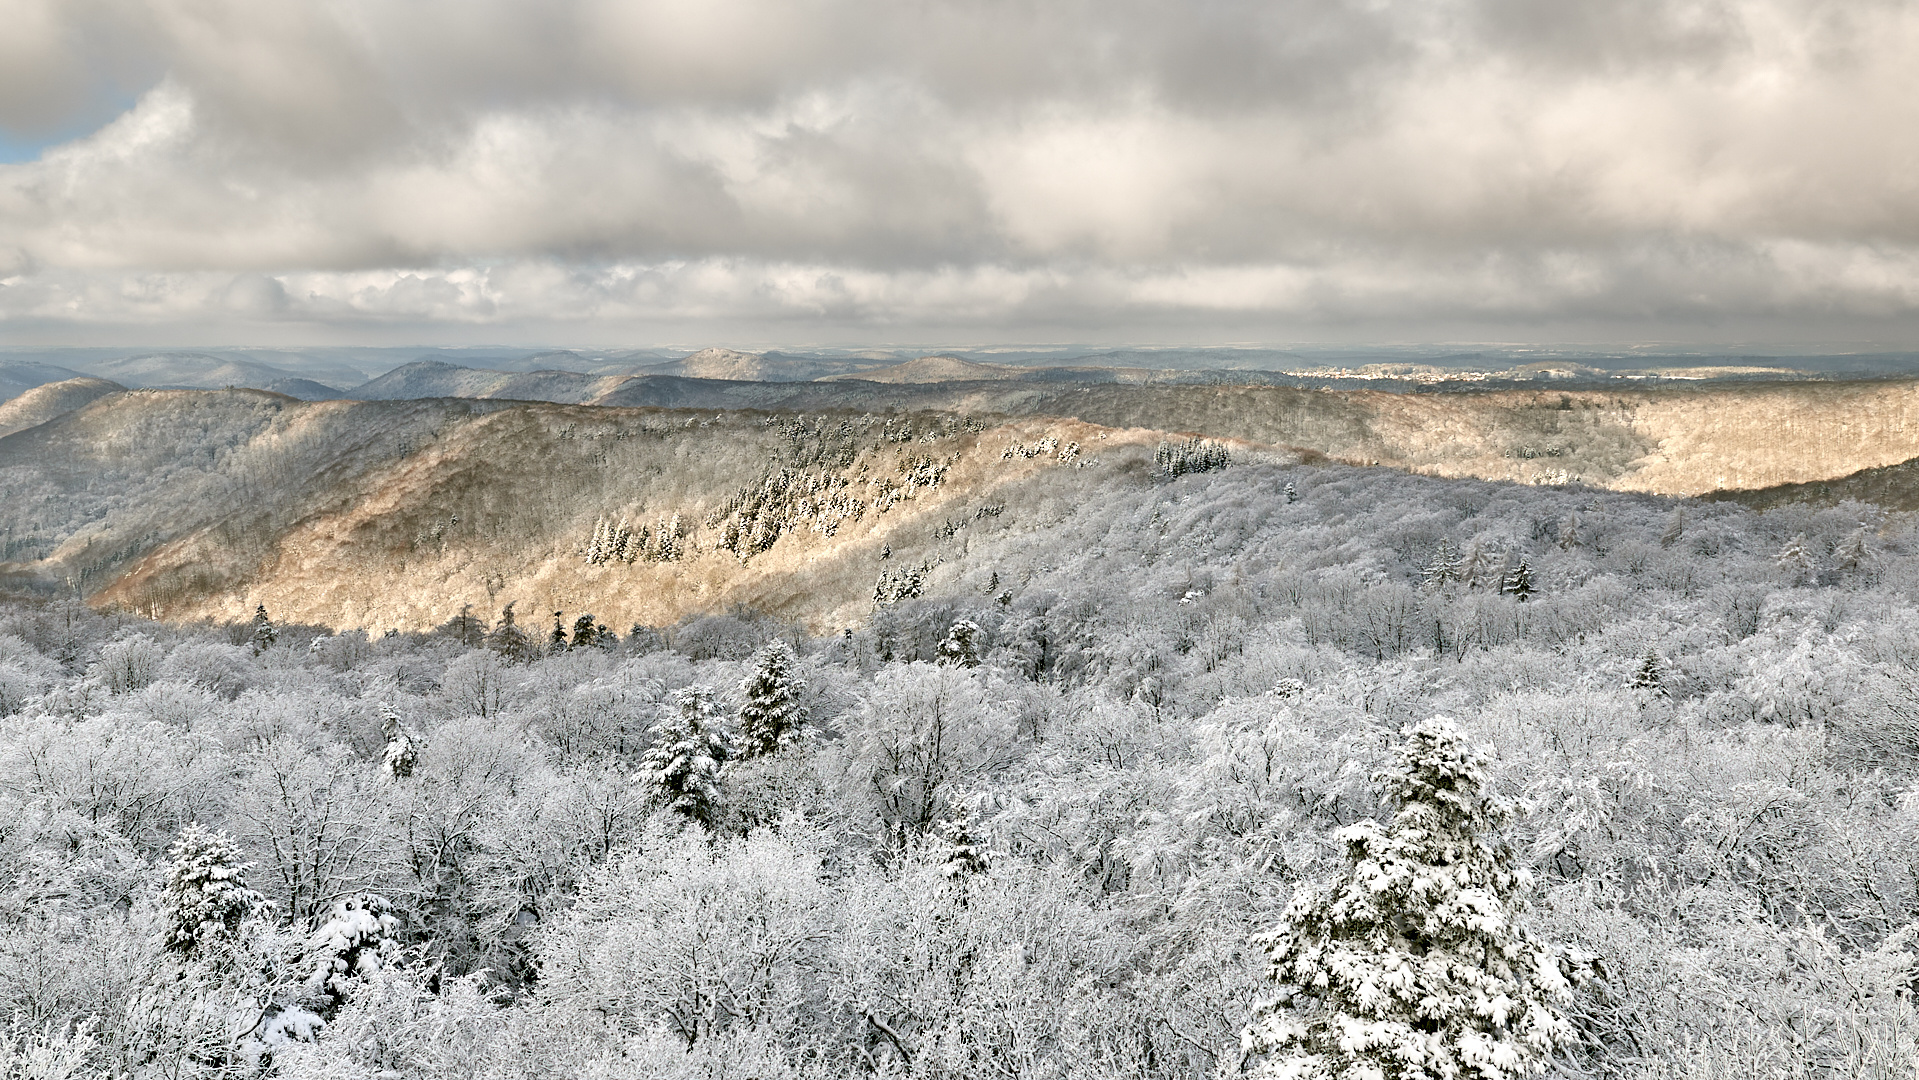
(1152, 791)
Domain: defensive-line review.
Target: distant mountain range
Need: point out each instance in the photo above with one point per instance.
(576, 376)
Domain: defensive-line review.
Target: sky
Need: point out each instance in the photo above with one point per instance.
(749, 172)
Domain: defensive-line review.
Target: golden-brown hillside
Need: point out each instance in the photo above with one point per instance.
(191, 504)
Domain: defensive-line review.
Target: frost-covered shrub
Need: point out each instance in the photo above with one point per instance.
(127, 665)
(224, 669)
(924, 733)
(692, 938)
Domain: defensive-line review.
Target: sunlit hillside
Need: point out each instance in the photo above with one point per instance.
(399, 514)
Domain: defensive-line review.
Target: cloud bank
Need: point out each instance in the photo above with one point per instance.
(851, 168)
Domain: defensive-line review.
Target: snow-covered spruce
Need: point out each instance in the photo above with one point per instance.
(962, 852)
(205, 899)
(962, 644)
(262, 633)
(682, 767)
(770, 712)
(357, 941)
(402, 753)
(1412, 964)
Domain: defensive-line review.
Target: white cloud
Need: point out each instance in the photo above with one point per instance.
(857, 164)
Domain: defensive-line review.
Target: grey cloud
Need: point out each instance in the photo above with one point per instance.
(254, 295)
(864, 163)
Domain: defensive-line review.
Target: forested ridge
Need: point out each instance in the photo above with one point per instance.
(1077, 804)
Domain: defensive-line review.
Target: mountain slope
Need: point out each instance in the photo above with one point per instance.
(434, 379)
(378, 514)
(397, 513)
(935, 369)
(714, 363)
(18, 377)
(50, 400)
(304, 389)
(189, 370)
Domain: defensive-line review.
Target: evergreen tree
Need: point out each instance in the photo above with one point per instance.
(359, 940)
(1478, 568)
(205, 898)
(1795, 559)
(508, 639)
(1412, 964)
(1442, 568)
(1292, 493)
(556, 641)
(641, 638)
(689, 747)
(1651, 674)
(1854, 553)
(264, 633)
(770, 713)
(585, 632)
(1518, 582)
(1569, 532)
(962, 644)
(467, 628)
(402, 752)
(962, 853)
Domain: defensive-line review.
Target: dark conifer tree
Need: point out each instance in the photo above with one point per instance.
(585, 632)
(508, 639)
(1518, 582)
(264, 633)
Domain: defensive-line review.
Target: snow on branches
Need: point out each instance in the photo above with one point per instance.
(1413, 964)
(205, 899)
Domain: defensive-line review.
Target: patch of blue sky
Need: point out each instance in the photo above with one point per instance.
(17, 147)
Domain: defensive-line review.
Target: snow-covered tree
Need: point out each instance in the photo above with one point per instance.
(1854, 553)
(357, 940)
(962, 645)
(1650, 676)
(1795, 559)
(263, 631)
(770, 712)
(402, 751)
(585, 632)
(205, 898)
(1518, 581)
(508, 639)
(1413, 963)
(1442, 568)
(1479, 567)
(962, 854)
(682, 767)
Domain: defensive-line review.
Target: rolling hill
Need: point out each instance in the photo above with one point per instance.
(18, 377)
(398, 512)
(50, 400)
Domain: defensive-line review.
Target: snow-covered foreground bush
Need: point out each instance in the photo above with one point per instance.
(1149, 790)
